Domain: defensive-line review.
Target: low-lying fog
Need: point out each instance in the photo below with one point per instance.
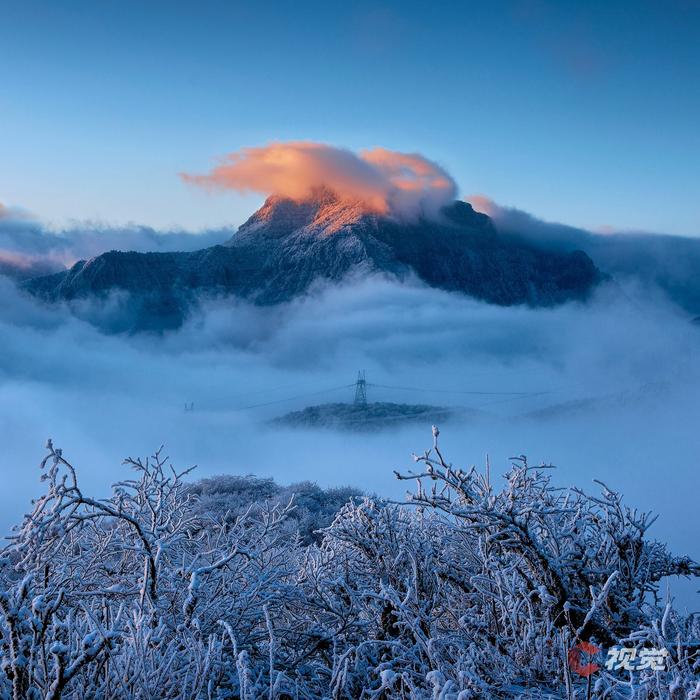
(620, 374)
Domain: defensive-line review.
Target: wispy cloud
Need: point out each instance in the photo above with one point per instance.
(28, 248)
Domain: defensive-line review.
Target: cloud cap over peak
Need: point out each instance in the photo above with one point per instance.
(387, 182)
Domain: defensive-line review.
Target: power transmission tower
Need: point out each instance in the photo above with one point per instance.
(361, 389)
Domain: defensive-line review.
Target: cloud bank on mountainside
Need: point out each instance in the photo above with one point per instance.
(654, 261)
(28, 248)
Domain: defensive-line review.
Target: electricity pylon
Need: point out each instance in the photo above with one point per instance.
(361, 389)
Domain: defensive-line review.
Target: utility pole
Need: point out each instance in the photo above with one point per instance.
(361, 389)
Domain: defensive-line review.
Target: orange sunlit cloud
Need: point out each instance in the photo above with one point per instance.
(482, 203)
(388, 182)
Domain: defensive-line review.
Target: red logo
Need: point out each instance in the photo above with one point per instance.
(576, 658)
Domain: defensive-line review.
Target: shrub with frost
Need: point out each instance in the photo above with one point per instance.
(467, 590)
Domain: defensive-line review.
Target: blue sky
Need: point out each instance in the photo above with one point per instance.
(582, 112)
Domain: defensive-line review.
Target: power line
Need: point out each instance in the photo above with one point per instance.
(293, 398)
(512, 398)
(456, 391)
(267, 390)
(361, 396)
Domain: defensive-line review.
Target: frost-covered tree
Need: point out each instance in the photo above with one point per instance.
(134, 595)
(466, 590)
(314, 507)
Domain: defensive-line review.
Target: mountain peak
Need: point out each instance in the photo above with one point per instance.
(323, 212)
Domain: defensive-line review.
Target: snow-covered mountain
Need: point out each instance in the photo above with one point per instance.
(289, 245)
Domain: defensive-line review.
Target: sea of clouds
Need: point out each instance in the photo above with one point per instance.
(620, 375)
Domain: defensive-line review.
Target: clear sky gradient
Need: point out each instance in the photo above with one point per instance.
(582, 112)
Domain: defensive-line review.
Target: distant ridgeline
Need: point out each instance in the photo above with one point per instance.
(287, 246)
(363, 417)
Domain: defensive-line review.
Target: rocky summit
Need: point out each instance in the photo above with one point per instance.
(288, 246)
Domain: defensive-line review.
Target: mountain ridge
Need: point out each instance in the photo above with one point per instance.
(287, 246)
